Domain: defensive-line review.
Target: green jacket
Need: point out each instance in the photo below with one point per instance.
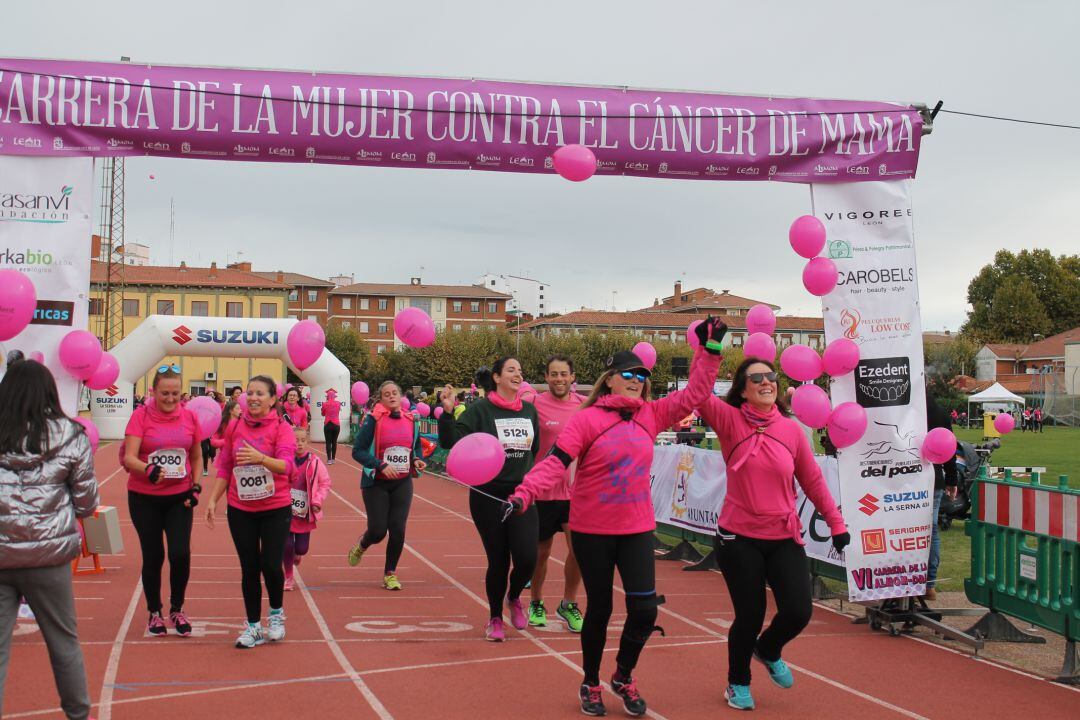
(508, 426)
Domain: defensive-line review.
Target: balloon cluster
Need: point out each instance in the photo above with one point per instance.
(807, 238)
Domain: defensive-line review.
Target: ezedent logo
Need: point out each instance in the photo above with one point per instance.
(53, 312)
(883, 382)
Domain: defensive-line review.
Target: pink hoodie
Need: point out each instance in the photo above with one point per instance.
(765, 454)
(554, 414)
(331, 410)
(159, 431)
(271, 435)
(611, 491)
(311, 477)
(297, 413)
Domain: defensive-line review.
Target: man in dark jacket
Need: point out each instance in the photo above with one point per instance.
(944, 483)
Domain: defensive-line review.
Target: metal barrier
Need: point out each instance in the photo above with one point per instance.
(1025, 560)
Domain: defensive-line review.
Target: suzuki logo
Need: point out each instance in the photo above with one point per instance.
(182, 335)
(112, 391)
(868, 504)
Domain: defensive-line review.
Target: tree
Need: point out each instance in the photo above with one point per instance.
(1019, 295)
(944, 361)
(350, 348)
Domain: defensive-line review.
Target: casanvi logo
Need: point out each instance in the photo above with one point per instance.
(868, 504)
(181, 335)
(112, 391)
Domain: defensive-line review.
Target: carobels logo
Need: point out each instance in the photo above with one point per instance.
(36, 208)
(840, 249)
(183, 335)
(878, 276)
(883, 382)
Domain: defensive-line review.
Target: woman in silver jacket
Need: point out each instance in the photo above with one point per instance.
(46, 480)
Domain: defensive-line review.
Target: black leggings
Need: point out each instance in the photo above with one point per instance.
(387, 504)
(748, 564)
(598, 556)
(157, 518)
(209, 452)
(514, 540)
(330, 432)
(259, 538)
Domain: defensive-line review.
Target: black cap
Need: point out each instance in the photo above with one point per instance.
(626, 360)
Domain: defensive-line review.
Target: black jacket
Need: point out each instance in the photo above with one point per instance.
(944, 475)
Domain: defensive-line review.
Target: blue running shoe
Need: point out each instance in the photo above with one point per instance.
(738, 697)
(778, 671)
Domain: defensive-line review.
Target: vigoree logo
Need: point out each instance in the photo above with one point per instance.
(36, 208)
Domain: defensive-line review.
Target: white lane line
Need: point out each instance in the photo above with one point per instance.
(110, 477)
(389, 596)
(339, 655)
(113, 665)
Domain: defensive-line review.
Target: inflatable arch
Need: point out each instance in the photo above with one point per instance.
(160, 336)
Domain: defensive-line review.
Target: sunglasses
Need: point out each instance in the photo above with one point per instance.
(758, 378)
(168, 368)
(630, 375)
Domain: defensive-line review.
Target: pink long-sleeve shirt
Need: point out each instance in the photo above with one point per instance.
(271, 435)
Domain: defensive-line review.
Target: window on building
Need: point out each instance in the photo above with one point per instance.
(541, 288)
(493, 326)
(785, 340)
(346, 303)
(474, 306)
(457, 306)
(293, 317)
(96, 306)
(365, 304)
(493, 307)
(364, 327)
(382, 328)
(313, 318)
(541, 297)
(380, 349)
(200, 308)
(312, 296)
(400, 304)
(267, 310)
(383, 303)
(457, 327)
(131, 308)
(294, 295)
(165, 307)
(438, 305)
(541, 306)
(736, 339)
(234, 309)
(493, 283)
(346, 324)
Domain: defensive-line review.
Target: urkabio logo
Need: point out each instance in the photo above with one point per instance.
(39, 208)
(883, 382)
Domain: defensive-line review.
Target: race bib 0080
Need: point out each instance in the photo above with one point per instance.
(172, 461)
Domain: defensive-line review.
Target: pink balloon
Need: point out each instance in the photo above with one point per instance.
(106, 373)
(847, 423)
(691, 336)
(819, 276)
(207, 412)
(807, 236)
(424, 409)
(760, 346)
(939, 446)
(280, 389)
(438, 412)
(1004, 423)
(575, 162)
(801, 363)
(37, 357)
(476, 459)
(360, 393)
(647, 353)
(761, 319)
(80, 353)
(811, 405)
(405, 403)
(305, 343)
(840, 357)
(414, 327)
(18, 300)
(148, 401)
(91, 432)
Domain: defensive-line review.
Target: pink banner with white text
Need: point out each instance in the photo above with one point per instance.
(53, 108)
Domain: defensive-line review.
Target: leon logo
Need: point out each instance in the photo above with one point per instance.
(873, 541)
(683, 471)
(883, 382)
(868, 504)
(839, 249)
(850, 319)
(181, 335)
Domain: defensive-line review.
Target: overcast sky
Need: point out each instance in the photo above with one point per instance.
(982, 185)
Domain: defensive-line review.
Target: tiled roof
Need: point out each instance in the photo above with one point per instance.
(711, 300)
(184, 276)
(1051, 347)
(409, 290)
(1007, 351)
(295, 279)
(673, 321)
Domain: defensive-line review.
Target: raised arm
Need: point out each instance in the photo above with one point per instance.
(451, 430)
(698, 389)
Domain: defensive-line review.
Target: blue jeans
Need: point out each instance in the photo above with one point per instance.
(935, 543)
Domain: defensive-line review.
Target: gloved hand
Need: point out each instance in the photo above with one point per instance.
(841, 541)
(518, 503)
(153, 474)
(710, 333)
(192, 496)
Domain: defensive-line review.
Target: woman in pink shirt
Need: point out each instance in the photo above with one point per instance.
(294, 409)
(611, 512)
(331, 413)
(254, 467)
(161, 453)
(759, 539)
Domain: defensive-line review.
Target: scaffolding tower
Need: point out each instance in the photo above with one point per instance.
(111, 231)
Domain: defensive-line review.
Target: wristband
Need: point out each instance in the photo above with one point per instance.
(714, 345)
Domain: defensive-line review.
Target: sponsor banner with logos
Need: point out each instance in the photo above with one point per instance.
(876, 304)
(688, 488)
(62, 108)
(45, 227)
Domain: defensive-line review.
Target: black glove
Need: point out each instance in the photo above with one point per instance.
(710, 332)
(192, 496)
(841, 541)
(153, 474)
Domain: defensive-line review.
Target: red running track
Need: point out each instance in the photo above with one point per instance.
(355, 650)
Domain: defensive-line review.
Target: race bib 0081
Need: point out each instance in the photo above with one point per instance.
(253, 482)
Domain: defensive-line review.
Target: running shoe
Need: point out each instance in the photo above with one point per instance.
(275, 625)
(778, 671)
(251, 636)
(296, 560)
(517, 614)
(156, 624)
(569, 612)
(537, 614)
(289, 582)
(592, 700)
(633, 703)
(390, 582)
(494, 630)
(355, 553)
(180, 622)
(738, 697)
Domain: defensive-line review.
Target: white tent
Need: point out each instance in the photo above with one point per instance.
(995, 395)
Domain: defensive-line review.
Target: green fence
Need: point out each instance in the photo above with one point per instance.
(1025, 560)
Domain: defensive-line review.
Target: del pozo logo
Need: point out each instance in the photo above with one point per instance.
(40, 207)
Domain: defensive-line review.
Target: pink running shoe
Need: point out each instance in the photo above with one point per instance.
(517, 614)
(494, 630)
(156, 624)
(289, 583)
(180, 621)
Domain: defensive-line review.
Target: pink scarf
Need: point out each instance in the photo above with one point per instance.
(759, 421)
(495, 399)
(380, 411)
(619, 402)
